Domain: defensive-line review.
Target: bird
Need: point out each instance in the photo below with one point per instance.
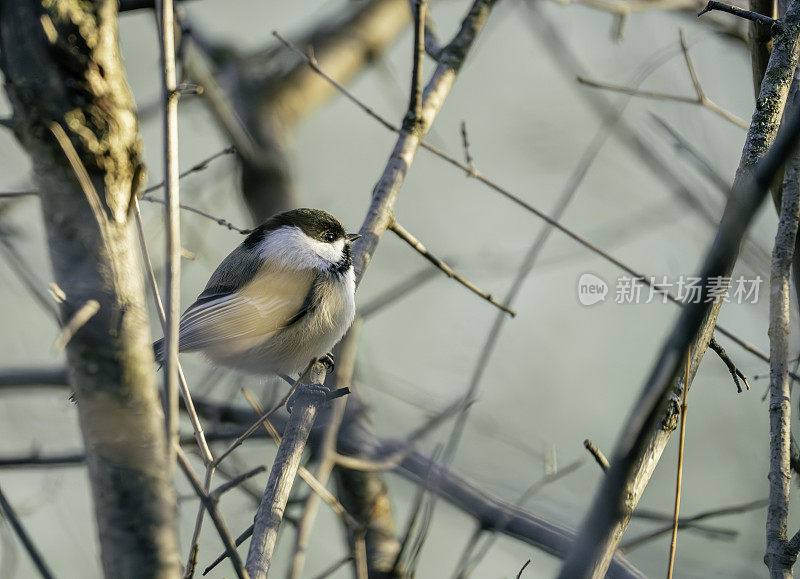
(284, 297)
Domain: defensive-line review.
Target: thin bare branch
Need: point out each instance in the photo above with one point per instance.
(598, 455)
(210, 504)
(700, 97)
(679, 471)
(413, 118)
(200, 166)
(740, 12)
(735, 372)
(75, 323)
(30, 547)
(392, 459)
(214, 218)
(471, 563)
(686, 522)
(406, 236)
(172, 305)
(236, 481)
(335, 567)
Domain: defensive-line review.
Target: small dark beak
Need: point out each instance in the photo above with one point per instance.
(351, 237)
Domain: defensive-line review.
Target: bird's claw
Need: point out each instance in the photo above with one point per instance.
(327, 359)
(307, 391)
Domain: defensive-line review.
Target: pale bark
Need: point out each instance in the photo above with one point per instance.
(64, 77)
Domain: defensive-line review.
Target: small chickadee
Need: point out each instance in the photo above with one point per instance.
(284, 296)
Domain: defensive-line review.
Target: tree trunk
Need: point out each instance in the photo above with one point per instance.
(74, 114)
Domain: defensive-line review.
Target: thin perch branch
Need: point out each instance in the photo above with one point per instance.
(283, 472)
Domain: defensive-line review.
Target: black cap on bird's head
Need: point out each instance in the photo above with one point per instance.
(315, 223)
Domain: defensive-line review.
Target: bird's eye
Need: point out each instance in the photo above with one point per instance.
(329, 237)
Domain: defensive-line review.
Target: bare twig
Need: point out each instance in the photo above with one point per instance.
(217, 220)
(465, 145)
(392, 459)
(700, 97)
(740, 12)
(246, 534)
(360, 554)
(22, 377)
(413, 118)
(735, 372)
(406, 236)
(30, 547)
(469, 564)
(75, 323)
(254, 426)
(149, 198)
(34, 461)
(335, 567)
(205, 451)
(686, 522)
(210, 504)
(236, 481)
(597, 454)
(172, 306)
(679, 472)
(313, 483)
(200, 166)
(32, 282)
(694, 155)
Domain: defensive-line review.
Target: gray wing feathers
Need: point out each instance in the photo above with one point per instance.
(245, 317)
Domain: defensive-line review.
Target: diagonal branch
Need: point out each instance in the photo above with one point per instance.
(11, 516)
(415, 243)
(643, 437)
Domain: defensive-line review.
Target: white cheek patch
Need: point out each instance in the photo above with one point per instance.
(329, 251)
(293, 249)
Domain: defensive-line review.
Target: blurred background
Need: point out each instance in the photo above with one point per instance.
(562, 371)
